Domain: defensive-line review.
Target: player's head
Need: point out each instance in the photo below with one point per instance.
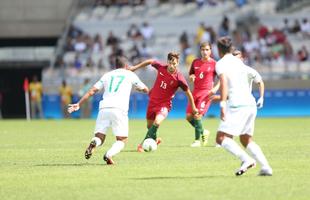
(35, 78)
(237, 53)
(224, 45)
(205, 50)
(86, 81)
(64, 83)
(173, 61)
(120, 62)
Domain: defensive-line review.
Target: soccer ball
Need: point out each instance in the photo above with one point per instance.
(149, 145)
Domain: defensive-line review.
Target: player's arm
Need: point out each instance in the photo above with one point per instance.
(212, 94)
(138, 84)
(41, 90)
(76, 106)
(191, 101)
(144, 90)
(141, 87)
(192, 73)
(141, 65)
(223, 93)
(261, 88)
(215, 88)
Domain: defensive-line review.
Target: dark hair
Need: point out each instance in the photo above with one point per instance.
(120, 62)
(172, 55)
(205, 44)
(224, 45)
(236, 52)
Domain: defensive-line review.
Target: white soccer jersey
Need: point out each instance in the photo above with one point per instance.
(253, 75)
(239, 79)
(117, 86)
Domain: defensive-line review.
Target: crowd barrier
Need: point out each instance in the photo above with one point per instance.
(278, 103)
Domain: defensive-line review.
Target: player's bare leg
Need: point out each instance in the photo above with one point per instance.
(115, 149)
(95, 142)
(247, 141)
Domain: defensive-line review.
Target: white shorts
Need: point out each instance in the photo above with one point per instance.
(112, 117)
(239, 121)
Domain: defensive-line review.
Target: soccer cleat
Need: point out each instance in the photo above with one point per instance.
(218, 146)
(196, 143)
(265, 172)
(108, 160)
(205, 137)
(245, 166)
(140, 148)
(158, 140)
(90, 149)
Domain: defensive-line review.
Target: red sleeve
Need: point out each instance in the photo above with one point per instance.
(192, 69)
(156, 65)
(182, 82)
(214, 64)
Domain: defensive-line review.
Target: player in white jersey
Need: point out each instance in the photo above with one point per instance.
(238, 108)
(113, 108)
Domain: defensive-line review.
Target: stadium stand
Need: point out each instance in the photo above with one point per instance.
(273, 36)
(273, 54)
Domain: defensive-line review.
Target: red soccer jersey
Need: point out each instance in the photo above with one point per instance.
(204, 72)
(165, 86)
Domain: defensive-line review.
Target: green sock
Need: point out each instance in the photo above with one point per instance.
(198, 128)
(192, 122)
(151, 133)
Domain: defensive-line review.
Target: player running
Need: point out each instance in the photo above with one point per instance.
(168, 80)
(113, 108)
(238, 110)
(202, 74)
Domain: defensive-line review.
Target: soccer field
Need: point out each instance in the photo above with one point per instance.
(45, 160)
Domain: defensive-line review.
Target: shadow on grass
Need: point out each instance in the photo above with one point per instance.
(131, 150)
(178, 146)
(182, 177)
(67, 164)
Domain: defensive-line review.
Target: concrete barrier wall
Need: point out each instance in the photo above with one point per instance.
(33, 18)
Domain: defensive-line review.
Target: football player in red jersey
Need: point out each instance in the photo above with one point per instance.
(168, 80)
(202, 74)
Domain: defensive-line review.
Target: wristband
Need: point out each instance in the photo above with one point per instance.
(222, 104)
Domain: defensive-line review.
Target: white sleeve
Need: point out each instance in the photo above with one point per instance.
(254, 75)
(100, 84)
(136, 82)
(219, 68)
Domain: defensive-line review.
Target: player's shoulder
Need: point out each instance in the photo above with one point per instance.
(130, 74)
(197, 60)
(250, 70)
(180, 75)
(158, 64)
(220, 62)
(213, 61)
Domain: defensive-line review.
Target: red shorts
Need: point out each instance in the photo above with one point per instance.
(202, 103)
(153, 110)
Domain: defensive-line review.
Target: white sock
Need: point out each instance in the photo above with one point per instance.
(97, 140)
(231, 146)
(115, 149)
(257, 153)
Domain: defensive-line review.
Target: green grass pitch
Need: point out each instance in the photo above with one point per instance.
(45, 160)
